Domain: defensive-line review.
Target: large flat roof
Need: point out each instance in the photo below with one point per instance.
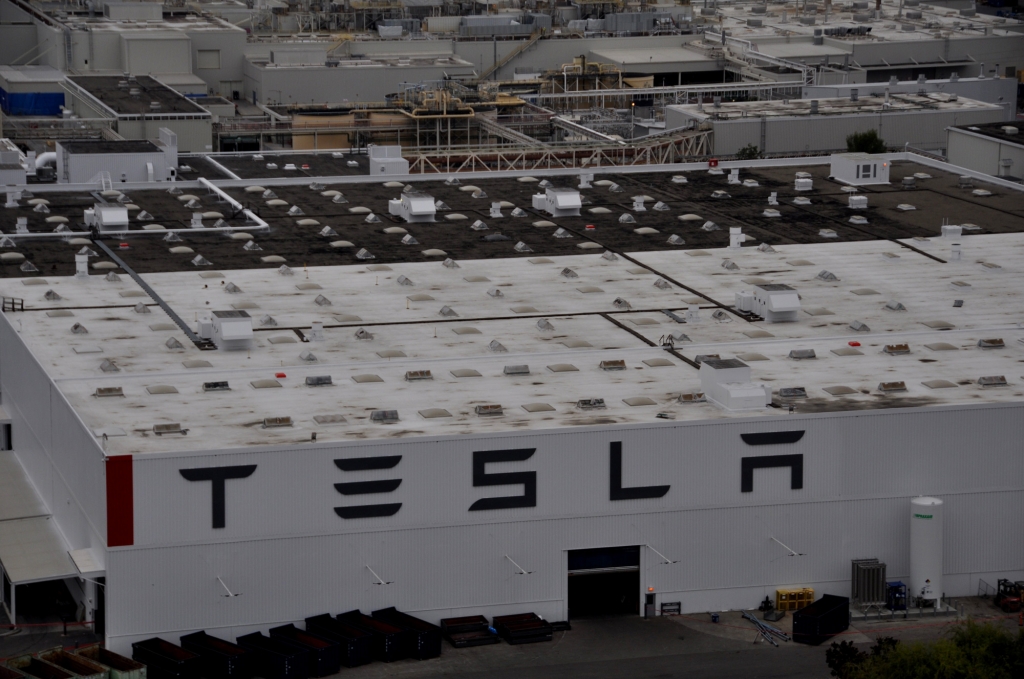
(120, 98)
(564, 362)
(836, 106)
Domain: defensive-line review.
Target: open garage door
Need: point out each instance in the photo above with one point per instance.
(604, 581)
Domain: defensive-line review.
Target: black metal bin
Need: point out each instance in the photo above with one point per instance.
(273, 659)
(354, 643)
(165, 660)
(219, 659)
(324, 654)
(390, 643)
(426, 638)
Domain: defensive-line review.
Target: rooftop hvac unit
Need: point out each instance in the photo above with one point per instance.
(559, 202)
(727, 383)
(413, 207)
(230, 330)
(859, 169)
(776, 303)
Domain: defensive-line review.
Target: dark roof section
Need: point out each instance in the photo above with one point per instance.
(724, 363)
(125, 146)
(121, 100)
(231, 314)
(995, 130)
(773, 287)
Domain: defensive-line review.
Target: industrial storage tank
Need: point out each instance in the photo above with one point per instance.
(926, 548)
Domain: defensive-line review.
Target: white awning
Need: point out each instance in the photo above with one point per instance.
(32, 550)
(18, 499)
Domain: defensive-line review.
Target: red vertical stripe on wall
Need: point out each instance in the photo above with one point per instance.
(120, 502)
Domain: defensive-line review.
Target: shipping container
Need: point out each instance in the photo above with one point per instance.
(34, 667)
(522, 628)
(822, 620)
(426, 637)
(470, 630)
(324, 654)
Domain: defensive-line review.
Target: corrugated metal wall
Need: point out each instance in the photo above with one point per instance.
(921, 129)
(194, 135)
(284, 543)
(59, 454)
(83, 167)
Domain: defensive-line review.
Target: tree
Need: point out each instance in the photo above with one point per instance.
(749, 152)
(865, 142)
(969, 651)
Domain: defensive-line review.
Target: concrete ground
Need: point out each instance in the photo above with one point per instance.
(615, 647)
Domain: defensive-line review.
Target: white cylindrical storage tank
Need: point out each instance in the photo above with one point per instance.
(925, 548)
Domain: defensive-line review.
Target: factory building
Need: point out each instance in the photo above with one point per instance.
(996, 149)
(810, 125)
(598, 410)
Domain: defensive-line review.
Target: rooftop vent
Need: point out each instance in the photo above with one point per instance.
(802, 354)
(692, 397)
(590, 403)
(544, 324)
(497, 346)
(216, 386)
(793, 392)
(274, 422)
(517, 370)
(79, 329)
(992, 381)
(173, 343)
(308, 357)
(859, 327)
(322, 301)
(364, 254)
(268, 321)
(109, 366)
(418, 375)
(825, 275)
(448, 312)
(450, 263)
(897, 349)
(103, 392)
(890, 387)
(994, 343)
(489, 410)
(170, 428)
(363, 334)
(895, 306)
(615, 364)
(319, 381)
(621, 304)
(495, 292)
(404, 280)
(384, 416)
(522, 247)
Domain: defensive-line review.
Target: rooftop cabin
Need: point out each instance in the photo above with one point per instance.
(413, 206)
(776, 303)
(860, 169)
(558, 202)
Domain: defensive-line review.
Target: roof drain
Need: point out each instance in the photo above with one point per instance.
(200, 343)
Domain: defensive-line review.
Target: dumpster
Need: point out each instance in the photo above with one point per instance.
(390, 643)
(354, 643)
(78, 666)
(274, 658)
(470, 630)
(164, 660)
(219, 659)
(523, 628)
(426, 638)
(34, 667)
(7, 673)
(821, 620)
(324, 654)
(118, 666)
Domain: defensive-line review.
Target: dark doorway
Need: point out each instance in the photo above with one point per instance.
(604, 581)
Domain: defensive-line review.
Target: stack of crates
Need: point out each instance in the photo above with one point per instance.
(793, 599)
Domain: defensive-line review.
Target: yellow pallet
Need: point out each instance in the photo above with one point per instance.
(793, 599)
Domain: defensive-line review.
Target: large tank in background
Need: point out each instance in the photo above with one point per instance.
(926, 548)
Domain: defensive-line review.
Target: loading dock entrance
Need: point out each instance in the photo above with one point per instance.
(604, 581)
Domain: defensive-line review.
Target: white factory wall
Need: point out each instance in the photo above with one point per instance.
(983, 154)
(284, 544)
(82, 167)
(57, 451)
(1002, 91)
(148, 53)
(195, 135)
(798, 134)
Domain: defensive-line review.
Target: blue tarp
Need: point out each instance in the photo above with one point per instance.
(31, 103)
